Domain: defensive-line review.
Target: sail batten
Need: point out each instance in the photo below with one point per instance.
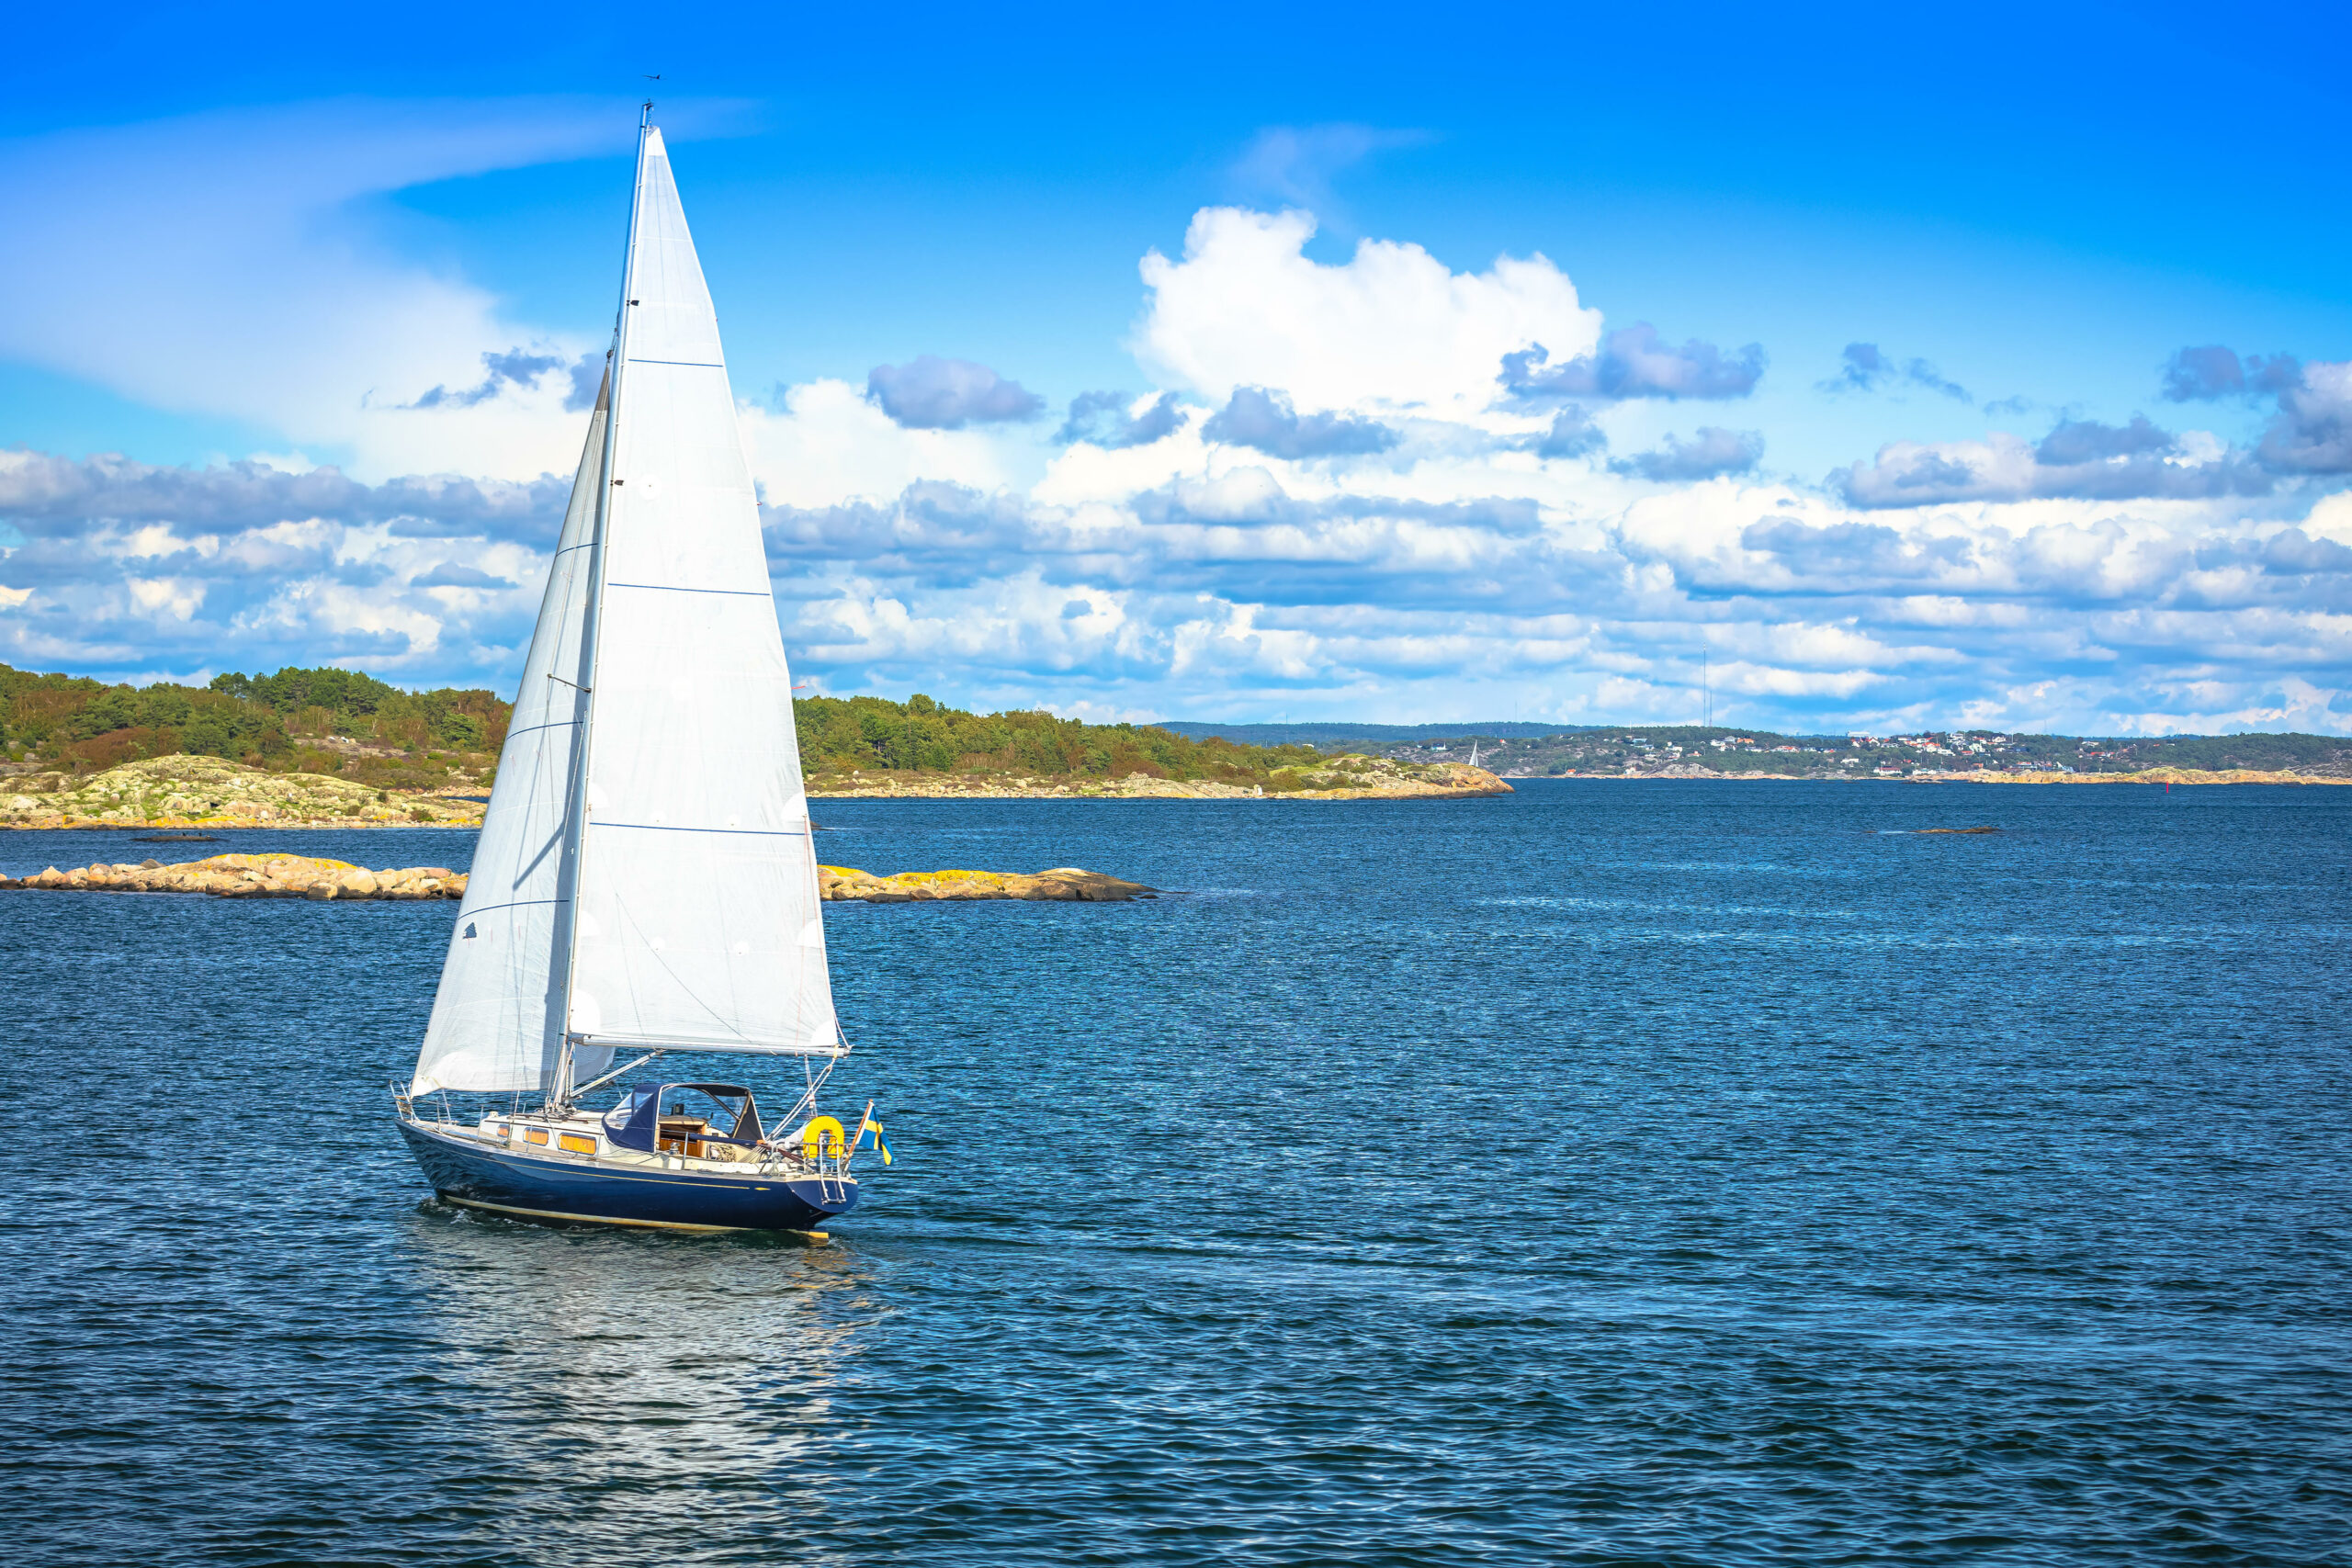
(670, 864)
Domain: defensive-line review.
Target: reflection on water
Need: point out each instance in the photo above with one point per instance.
(629, 1383)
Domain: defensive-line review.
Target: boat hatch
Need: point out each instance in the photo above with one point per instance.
(684, 1118)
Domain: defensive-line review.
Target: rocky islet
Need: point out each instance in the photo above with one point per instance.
(1062, 884)
(250, 876)
(303, 876)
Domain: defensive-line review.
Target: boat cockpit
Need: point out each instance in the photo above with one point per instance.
(700, 1120)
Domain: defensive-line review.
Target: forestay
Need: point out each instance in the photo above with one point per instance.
(699, 920)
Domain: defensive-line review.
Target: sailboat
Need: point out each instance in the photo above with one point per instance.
(645, 881)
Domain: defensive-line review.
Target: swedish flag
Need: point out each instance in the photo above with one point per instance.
(870, 1137)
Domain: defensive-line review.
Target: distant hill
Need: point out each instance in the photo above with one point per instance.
(361, 729)
(365, 731)
(1326, 735)
(311, 721)
(1618, 748)
(840, 734)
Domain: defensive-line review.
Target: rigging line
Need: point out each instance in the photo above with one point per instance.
(689, 364)
(630, 913)
(600, 1082)
(674, 587)
(518, 904)
(739, 832)
(591, 625)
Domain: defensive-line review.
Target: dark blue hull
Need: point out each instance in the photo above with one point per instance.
(463, 1171)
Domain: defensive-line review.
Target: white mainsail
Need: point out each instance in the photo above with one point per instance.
(687, 914)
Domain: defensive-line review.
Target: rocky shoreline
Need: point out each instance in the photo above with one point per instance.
(2144, 776)
(250, 876)
(303, 876)
(1342, 778)
(188, 793)
(183, 792)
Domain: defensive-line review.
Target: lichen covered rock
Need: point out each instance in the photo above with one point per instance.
(183, 791)
(1066, 884)
(253, 876)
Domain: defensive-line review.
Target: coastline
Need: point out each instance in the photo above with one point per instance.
(185, 793)
(1442, 781)
(220, 796)
(2143, 776)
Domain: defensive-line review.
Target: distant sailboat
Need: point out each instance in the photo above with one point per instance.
(645, 879)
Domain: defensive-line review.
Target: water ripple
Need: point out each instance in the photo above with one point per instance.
(1611, 1174)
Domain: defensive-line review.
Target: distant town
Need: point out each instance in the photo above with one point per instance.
(1691, 752)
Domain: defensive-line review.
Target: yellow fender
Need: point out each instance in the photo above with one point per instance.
(821, 1134)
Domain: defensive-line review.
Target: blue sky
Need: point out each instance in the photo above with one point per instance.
(262, 237)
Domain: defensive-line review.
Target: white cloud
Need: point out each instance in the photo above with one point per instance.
(1242, 495)
(831, 444)
(1392, 329)
(226, 263)
(2111, 578)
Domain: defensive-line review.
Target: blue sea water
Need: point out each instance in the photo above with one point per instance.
(1613, 1173)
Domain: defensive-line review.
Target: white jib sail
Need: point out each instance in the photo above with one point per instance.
(699, 922)
(498, 1019)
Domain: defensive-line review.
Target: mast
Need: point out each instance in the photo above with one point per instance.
(575, 835)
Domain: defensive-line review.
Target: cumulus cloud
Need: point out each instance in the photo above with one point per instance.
(1573, 434)
(2194, 375)
(932, 393)
(1632, 362)
(44, 494)
(2311, 433)
(1264, 420)
(516, 367)
(828, 441)
(2078, 442)
(1228, 590)
(1392, 329)
(2311, 430)
(2081, 460)
(2104, 577)
(124, 568)
(587, 377)
(1712, 453)
(1230, 593)
(1115, 421)
(1866, 368)
(457, 574)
